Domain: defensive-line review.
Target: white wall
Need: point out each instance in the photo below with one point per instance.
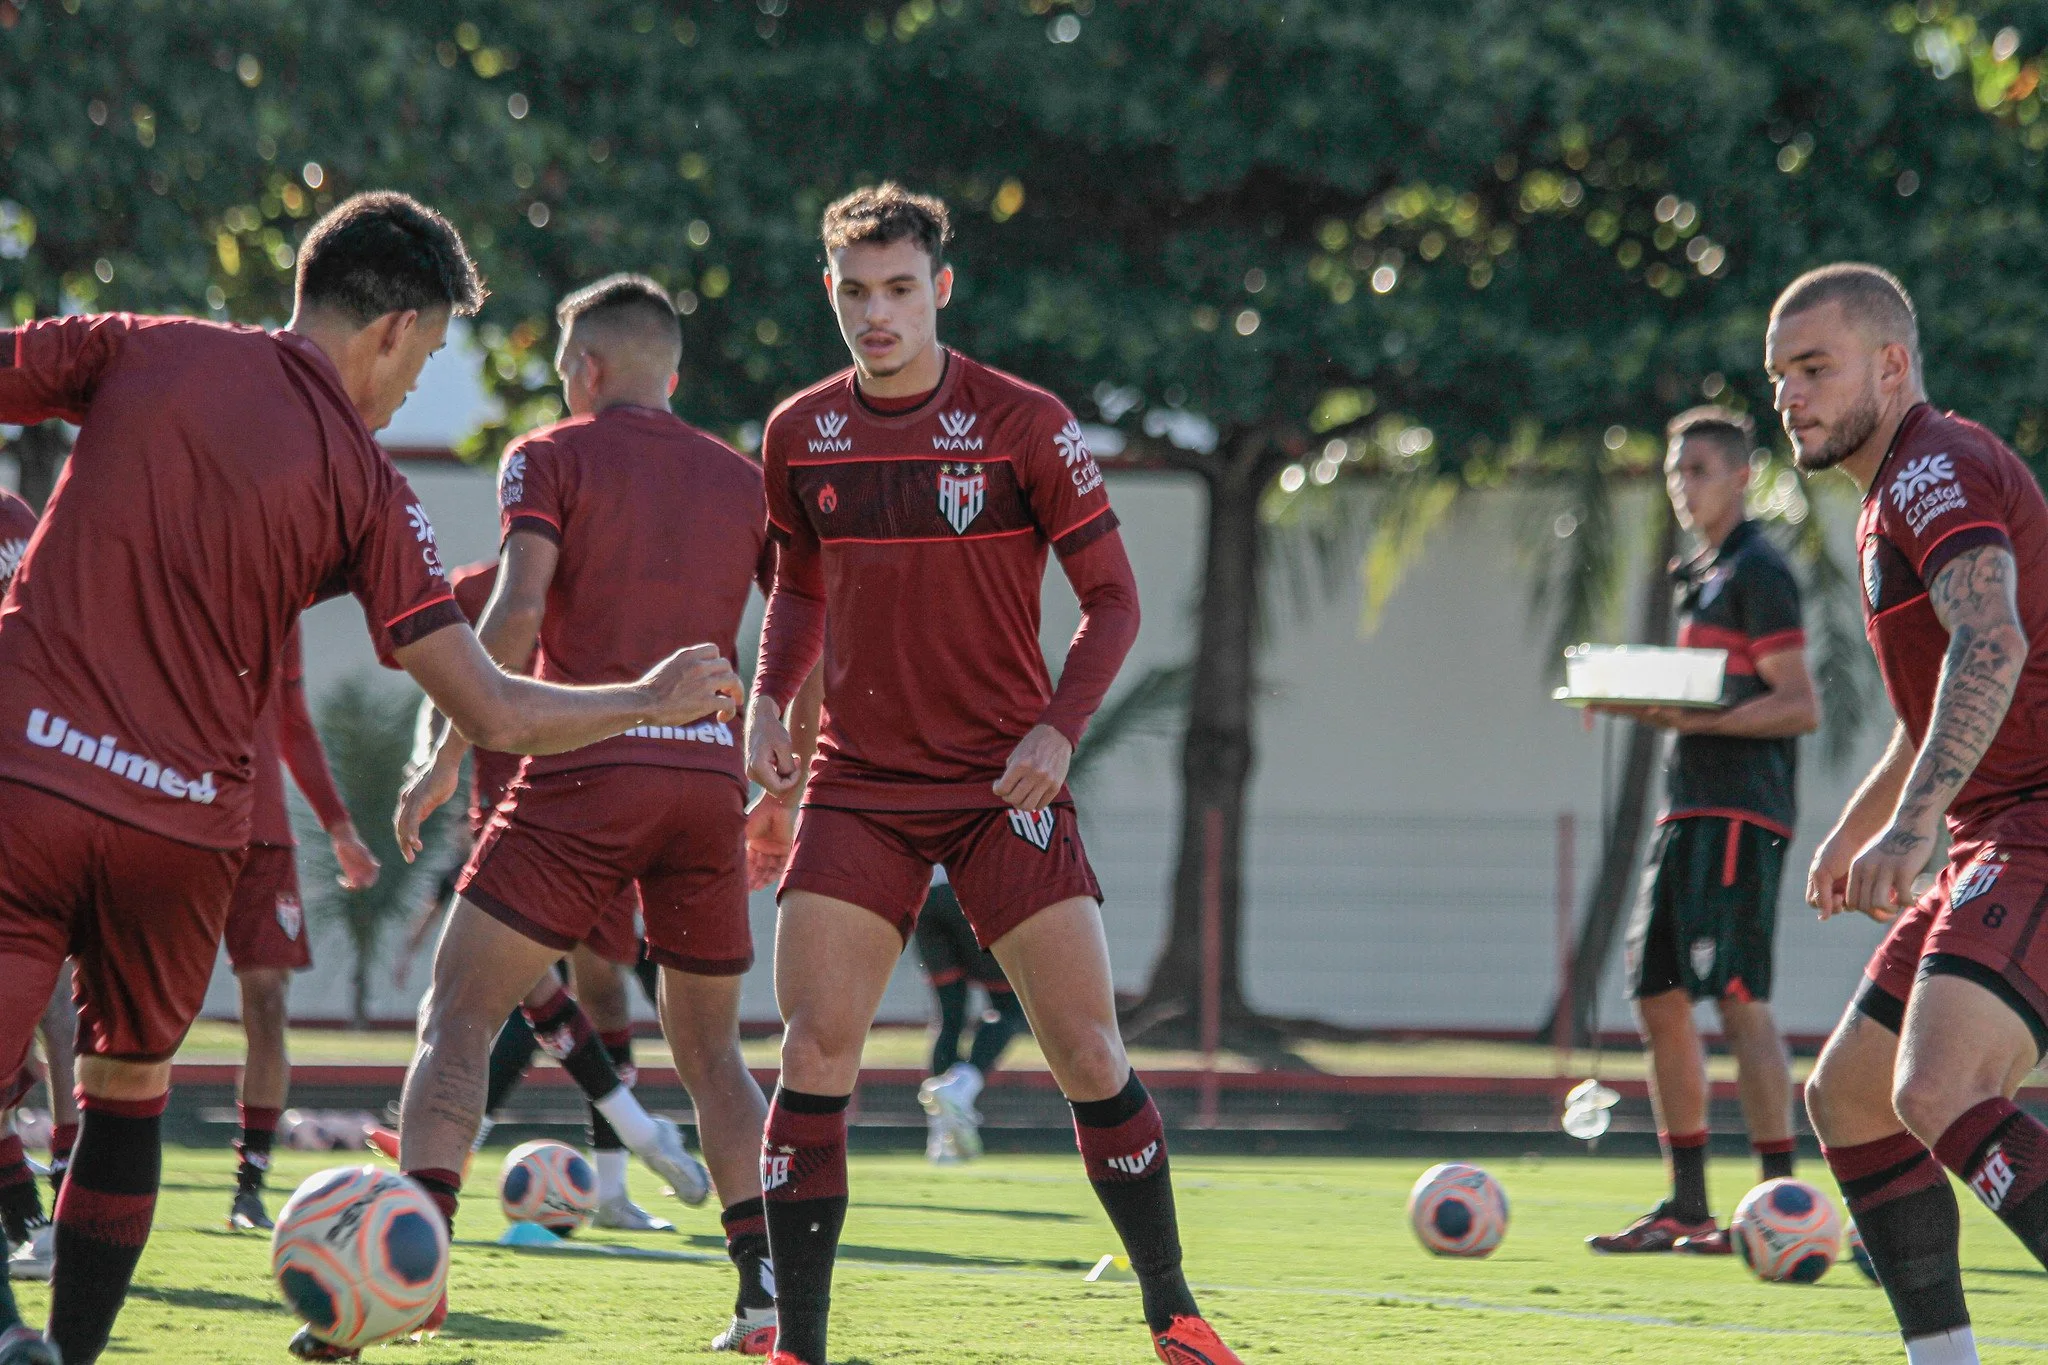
(1402, 867)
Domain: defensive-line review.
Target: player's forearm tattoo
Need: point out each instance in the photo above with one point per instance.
(1987, 649)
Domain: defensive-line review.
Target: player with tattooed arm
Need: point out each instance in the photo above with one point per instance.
(1953, 1013)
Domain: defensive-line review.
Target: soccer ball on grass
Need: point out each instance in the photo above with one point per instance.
(361, 1254)
(548, 1183)
(1786, 1231)
(1458, 1210)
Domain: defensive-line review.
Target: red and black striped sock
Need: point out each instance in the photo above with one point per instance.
(1906, 1210)
(259, 1131)
(2001, 1152)
(63, 1138)
(803, 1189)
(565, 1034)
(21, 1207)
(618, 1046)
(103, 1219)
(746, 1241)
(442, 1186)
(1774, 1158)
(1123, 1146)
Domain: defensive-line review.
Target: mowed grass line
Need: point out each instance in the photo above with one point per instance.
(1301, 1260)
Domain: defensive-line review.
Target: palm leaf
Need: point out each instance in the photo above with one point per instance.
(1153, 705)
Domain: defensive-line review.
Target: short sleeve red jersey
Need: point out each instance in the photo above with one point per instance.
(17, 525)
(490, 772)
(925, 534)
(220, 483)
(662, 531)
(1946, 486)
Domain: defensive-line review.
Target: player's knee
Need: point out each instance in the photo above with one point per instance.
(1092, 1062)
(810, 1051)
(1836, 1099)
(1929, 1099)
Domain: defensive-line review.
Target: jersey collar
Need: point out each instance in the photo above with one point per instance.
(1911, 419)
(949, 379)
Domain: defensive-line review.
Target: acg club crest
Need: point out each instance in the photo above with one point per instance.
(291, 916)
(963, 490)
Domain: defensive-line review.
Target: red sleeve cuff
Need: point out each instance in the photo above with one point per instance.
(532, 521)
(1075, 539)
(1777, 642)
(423, 620)
(1963, 538)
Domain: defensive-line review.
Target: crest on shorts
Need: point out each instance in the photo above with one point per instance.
(963, 490)
(1033, 829)
(291, 916)
(1978, 878)
(1702, 953)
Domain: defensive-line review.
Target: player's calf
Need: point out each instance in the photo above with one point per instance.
(103, 1219)
(803, 1188)
(1123, 1147)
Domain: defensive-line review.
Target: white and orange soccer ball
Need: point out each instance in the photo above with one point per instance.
(360, 1253)
(548, 1183)
(1786, 1231)
(1458, 1210)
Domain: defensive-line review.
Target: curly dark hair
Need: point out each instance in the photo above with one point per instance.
(386, 252)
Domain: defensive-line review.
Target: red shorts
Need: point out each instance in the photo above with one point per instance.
(266, 921)
(141, 914)
(1987, 908)
(1005, 866)
(565, 847)
(616, 936)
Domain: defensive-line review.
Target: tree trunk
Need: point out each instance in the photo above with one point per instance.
(359, 1004)
(1609, 897)
(40, 451)
(1216, 766)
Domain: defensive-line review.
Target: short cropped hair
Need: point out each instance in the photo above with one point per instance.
(1871, 297)
(1729, 431)
(625, 297)
(887, 213)
(385, 252)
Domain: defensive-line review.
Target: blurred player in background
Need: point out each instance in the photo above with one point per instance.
(955, 965)
(266, 930)
(627, 532)
(223, 478)
(1706, 924)
(593, 972)
(1953, 1013)
(915, 497)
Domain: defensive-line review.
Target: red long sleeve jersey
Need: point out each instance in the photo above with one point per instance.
(221, 482)
(17, 527)
(920, 537)
(287, 737)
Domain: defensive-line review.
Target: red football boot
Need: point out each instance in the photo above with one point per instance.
(1191, 1341)
(1657, 1230)
(1713, 1243)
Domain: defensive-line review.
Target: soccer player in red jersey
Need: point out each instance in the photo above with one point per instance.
(588, 1029)
(1953, 541)
(915, 496)
(223, 478)
(626, 531)
(266, 928)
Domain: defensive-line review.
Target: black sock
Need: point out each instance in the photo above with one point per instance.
(649, 973)
(21, 1207)
(259, 1129)
(564, 1033)
(1775, 1158)
(10, 1312)
(1906, 1211)
(746, 1241)
(103, 1220)
(604, 1137)
(1688, 1156)
(952, 998)
(511, 1053)
(1123, 1145)
(992, 1036)
(803, 1186)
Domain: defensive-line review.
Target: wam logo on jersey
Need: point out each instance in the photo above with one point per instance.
(1034, 829)
(830, 425)
(1976, 880)
(956, 426)
(291, 916)
(962, 494)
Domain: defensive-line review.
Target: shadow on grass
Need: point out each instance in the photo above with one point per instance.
(476, 1327)
(1016, 1215)
(211, 1300)
(907, 1256)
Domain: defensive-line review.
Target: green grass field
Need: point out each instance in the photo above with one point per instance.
(1297, 1260)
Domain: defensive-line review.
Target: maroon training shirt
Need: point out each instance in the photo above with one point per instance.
(1947, 485)
(221, 482)
(17, 524)
(662, 531)
(287, 737)
(490, 772)
(914, 547)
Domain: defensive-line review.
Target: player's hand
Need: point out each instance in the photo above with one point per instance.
(425, 791)
(1037, 769)
(359, 866)
(771, 756)
(1882, 875)
(690, 685)
(1827, 880)
(771, 833)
